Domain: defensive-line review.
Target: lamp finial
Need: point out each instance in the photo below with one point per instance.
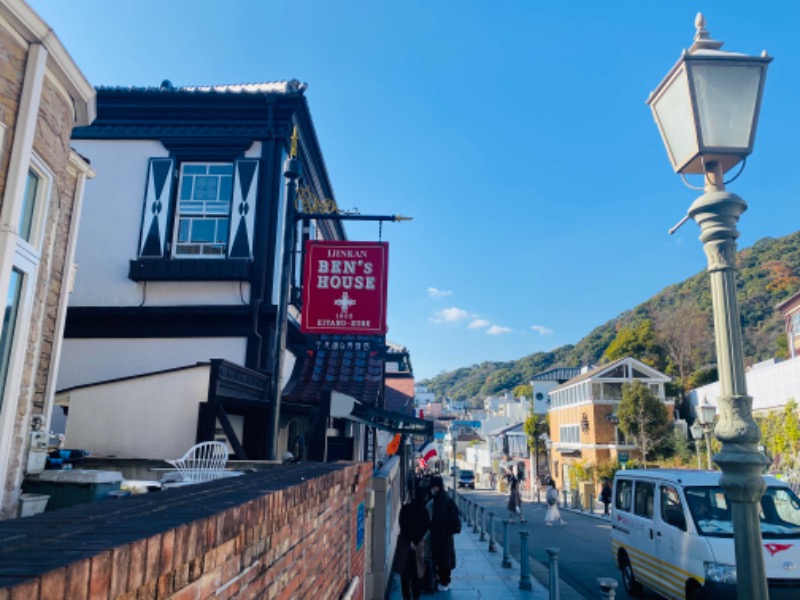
(702, 41)
(293, 149)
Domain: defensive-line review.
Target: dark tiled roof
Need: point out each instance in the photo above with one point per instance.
(351, 365)
(292, 86)
(561, 374)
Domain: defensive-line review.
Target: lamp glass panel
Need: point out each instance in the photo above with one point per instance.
(697, 431)
(727, 96)
(673, 110)
(707, 414)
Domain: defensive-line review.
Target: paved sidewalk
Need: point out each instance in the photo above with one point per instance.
(479, 574)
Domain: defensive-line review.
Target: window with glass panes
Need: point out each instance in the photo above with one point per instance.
(26, 219)
(9, 326)
(203, 210)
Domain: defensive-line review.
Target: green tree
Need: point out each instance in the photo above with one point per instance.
(643, 417)
(535, 425)
(640, 342)
(523, 389)
(791, 425)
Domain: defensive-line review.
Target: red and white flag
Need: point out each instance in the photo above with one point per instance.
(428, 451)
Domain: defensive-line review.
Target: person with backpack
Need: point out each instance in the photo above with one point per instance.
(410, 551)
(445, 523)
(553, 514)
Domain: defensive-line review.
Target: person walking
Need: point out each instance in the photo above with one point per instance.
(409, 556)
(605, 497)
(443, 549)
(553, 514)
(514, 499)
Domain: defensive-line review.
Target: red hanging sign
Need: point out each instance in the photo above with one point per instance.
(345, 287)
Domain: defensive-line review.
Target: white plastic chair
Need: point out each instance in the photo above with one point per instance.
(202, 462)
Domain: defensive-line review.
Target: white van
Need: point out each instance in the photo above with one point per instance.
(671, 531)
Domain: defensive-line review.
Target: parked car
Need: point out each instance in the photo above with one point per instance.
(672, 531)
(466, 478)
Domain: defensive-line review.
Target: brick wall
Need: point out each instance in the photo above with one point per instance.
(54, 122)
(288, 532)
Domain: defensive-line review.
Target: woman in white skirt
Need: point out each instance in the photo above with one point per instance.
(553, 513)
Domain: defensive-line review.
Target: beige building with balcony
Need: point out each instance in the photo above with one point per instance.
(583, 423)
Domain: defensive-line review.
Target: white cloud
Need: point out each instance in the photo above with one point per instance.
(542, 330)
(479, 324)
(437, 293)
(498, 330)
(450, 315)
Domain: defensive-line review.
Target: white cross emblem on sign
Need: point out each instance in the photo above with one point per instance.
(345, 302)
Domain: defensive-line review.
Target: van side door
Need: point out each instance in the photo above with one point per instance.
(643, 534)
(676, 550)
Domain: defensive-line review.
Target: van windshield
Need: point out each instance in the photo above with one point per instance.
(711, 511)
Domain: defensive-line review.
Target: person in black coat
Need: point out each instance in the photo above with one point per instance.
(443, 549)
(408, 558)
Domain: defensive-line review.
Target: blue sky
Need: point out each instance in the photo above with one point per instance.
(515, 133)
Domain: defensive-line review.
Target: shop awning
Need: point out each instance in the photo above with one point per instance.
(349, 408)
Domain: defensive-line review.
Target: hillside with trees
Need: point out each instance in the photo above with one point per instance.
(671, 331)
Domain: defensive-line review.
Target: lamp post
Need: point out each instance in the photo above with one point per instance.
(706, 414)
(707, 110)
(697, 434)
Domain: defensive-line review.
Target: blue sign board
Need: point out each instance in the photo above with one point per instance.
(473, 424)
(360, 526)
(439, 435)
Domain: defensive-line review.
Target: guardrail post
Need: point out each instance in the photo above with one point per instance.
(607, 588)
(482, 538)
(555, 593)
(475, 517)
(492, 545)
(525, 582)
(506, 564)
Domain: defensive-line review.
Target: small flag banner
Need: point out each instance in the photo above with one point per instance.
(428, 451)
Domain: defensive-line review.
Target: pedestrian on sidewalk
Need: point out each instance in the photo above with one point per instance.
(409, 556)
(514, 499)
(605, 497)
(553, 514)
(443, 549)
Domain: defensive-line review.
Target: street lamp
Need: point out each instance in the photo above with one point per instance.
(697, 434)
(707, 110)
(706, 414)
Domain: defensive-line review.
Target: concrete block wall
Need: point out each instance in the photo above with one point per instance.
(289, 532)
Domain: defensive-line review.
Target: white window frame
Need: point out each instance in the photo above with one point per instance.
(33, 245)
(175, 243)
(27, 255)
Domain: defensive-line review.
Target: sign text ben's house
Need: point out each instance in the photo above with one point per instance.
(345, 287)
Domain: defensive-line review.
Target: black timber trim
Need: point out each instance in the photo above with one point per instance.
(190, 269)
(95, 322)
(157, 321)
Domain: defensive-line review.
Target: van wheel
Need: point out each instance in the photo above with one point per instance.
(698, 593)
(633, 587)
